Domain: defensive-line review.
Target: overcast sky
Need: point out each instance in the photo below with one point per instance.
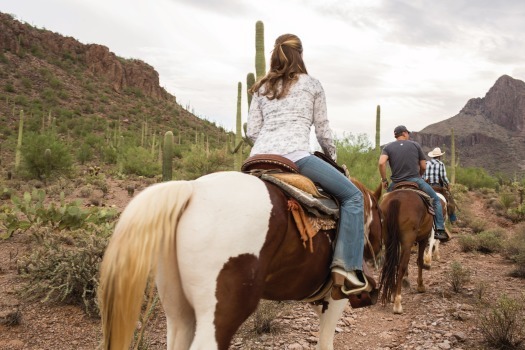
(420, 60)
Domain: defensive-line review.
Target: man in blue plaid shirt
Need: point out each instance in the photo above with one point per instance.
(436, 176)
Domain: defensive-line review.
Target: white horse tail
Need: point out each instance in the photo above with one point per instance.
(145, 231)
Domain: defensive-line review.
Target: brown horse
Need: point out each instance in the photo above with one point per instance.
(407, 221)
(217, 245)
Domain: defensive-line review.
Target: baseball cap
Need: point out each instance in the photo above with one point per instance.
(400, 129)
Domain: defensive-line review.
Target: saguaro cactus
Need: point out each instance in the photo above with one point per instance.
(167, 156)
(47, 165)
(18, 153)
(236, 148)
(250, 80)
(260, 62)
(378, 128)
(452, 171)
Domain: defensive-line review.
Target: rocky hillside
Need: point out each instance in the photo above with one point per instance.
(489, 132)
(21, 39)
(53, 77)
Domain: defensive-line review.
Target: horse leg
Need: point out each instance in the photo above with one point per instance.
(420, 265)
(436, 255)
(180, 317)
(328, 321)
(429, 252)
(401, 272)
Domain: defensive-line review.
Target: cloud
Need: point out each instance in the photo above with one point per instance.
(229, 8)
(421, 61)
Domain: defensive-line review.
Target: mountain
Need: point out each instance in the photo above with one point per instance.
(84, 88)
(489, 132)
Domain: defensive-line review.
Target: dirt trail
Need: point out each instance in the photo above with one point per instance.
(437, 319)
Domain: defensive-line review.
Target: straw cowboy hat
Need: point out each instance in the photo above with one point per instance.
(436, 152)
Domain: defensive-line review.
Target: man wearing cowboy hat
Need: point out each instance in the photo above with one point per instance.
(436, 176)
(408, 163)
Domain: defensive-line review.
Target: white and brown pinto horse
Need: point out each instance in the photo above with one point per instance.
(217, 245)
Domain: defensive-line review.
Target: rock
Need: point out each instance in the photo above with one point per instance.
(445, 345)
(460, 336)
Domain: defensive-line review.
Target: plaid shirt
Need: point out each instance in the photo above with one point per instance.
(436, 173)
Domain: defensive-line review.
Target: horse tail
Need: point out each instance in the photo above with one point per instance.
(388, 277)
(145, 231)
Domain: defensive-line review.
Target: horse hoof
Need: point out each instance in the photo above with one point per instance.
(421, 289)
(398, 311)
(426, 267)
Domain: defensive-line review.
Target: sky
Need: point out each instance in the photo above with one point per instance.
(420, 60)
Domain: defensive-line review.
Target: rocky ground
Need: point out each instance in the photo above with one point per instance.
(437, 319)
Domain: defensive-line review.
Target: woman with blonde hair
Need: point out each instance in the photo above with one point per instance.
(286, 103)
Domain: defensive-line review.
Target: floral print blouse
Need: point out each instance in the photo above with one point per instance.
(283, 126)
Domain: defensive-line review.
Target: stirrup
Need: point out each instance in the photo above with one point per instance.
(356, 291)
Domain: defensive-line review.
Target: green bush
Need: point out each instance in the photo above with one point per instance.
(109, 154)
(458, 276)
(138, 161)
(506, 199)
(84, 153)
(478, 225)
(35, 163)
(197, 162)
(489, 242)
(475, 178)
(32, 211)
(515, 251)
(503, 324)
(357, 153)
(484, 242)
(467, 243)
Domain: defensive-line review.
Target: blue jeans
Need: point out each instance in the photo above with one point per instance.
(350, 241)
(436, 201)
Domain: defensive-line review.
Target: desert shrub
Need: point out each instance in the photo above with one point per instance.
(138, 160)
(140, 340)
(515, 250)
(458, 189)
(84, 153)
(475, 178)
(32, 211)
(506, 199)
(517, 214)
(478, 225)
(63, 267)
(109, 154)
(458, 276)
(198, 162)
(86, 191)
(481, 290)
(489, 242)
(496, 204)
(467, 243)
(12, 318)
(484, 242)
(359, 156)
(9, 87)
(38, 166)
(503, 324)
(262, 321)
